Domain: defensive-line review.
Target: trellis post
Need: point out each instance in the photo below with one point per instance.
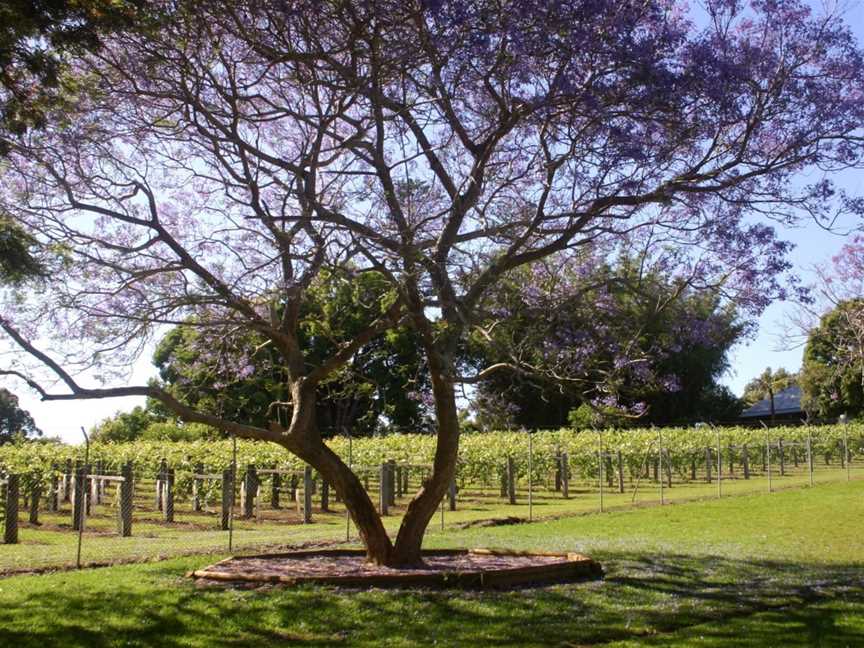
(275, 486)
(565, 475)
(10, 531)
(124, 514)
(511, 480)
(227, 498)
(307, 495)
(168, 496)
(197, 484)
(35, 496)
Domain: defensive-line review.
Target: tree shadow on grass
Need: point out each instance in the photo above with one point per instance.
(661, 600)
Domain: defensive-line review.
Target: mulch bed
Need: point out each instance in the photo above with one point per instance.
(477, 568)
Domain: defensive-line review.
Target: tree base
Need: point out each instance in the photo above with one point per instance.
(443, 568)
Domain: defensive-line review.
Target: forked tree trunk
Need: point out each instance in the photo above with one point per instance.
(303, 439)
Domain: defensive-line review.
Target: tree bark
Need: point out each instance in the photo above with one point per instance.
(409, 540)
(304, 440)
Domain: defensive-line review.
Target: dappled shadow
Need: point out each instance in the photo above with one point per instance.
(656, 600)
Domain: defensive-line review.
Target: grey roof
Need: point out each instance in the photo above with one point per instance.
(787, 401)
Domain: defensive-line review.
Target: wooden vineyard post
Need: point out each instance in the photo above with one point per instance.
(197, 484)
(35, 496)
(168, 496)
(391, 482)
(227, 498)
(846, 450)
(124, 510)
(53, 494)
(325, 496)
(511, 480)
(67, 481)
(96, 484)
(565, 475)
(10, 530)
(768, 461)
(530, 478)
(660, 462)
(159, 499)
(275, 487)
(383, 497)
(708, 465)
(600, 467)
(719, 467)
(668, 468)
(557, 471)
(307, 495)
(249, 491)
(782, 457)
(620, 457)
(399, 491)
(294, 486)
(78, 494)
(745, 461)
(451, 494)
(810, 457)
(88, 502)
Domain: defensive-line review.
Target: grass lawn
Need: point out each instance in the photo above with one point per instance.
(780, 570)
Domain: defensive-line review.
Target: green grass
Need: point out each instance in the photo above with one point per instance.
(784, 570)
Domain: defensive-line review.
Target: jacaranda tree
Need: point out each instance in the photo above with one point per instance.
(223, 157)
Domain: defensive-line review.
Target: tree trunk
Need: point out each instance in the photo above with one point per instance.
(409, 541)
(304, 440)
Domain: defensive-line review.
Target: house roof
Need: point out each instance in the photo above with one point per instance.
(787, 401)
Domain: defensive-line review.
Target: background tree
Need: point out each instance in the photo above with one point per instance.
(614, 337)
(15, 423)
(37, 41)
(832, 373)
(124, 426)
(220, 163)
(19, 256)
(241, 376)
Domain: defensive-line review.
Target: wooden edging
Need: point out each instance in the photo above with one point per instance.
(573, 567)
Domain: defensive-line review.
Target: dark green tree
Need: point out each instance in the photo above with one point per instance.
(124, 426)
(19, 254)
(832, 374)
(37, 42)
(15, 423)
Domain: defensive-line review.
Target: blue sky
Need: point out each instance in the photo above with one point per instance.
(813, 246)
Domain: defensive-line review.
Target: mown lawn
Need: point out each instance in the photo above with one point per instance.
(780, 570)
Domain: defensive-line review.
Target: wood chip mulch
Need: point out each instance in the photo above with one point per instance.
(338, 566)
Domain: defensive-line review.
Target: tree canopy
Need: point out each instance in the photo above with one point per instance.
(832, 374)
(213, 167)
(610, 338)
(241, 377)
(15, 423)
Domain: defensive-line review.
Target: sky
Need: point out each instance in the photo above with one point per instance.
(813, 246)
